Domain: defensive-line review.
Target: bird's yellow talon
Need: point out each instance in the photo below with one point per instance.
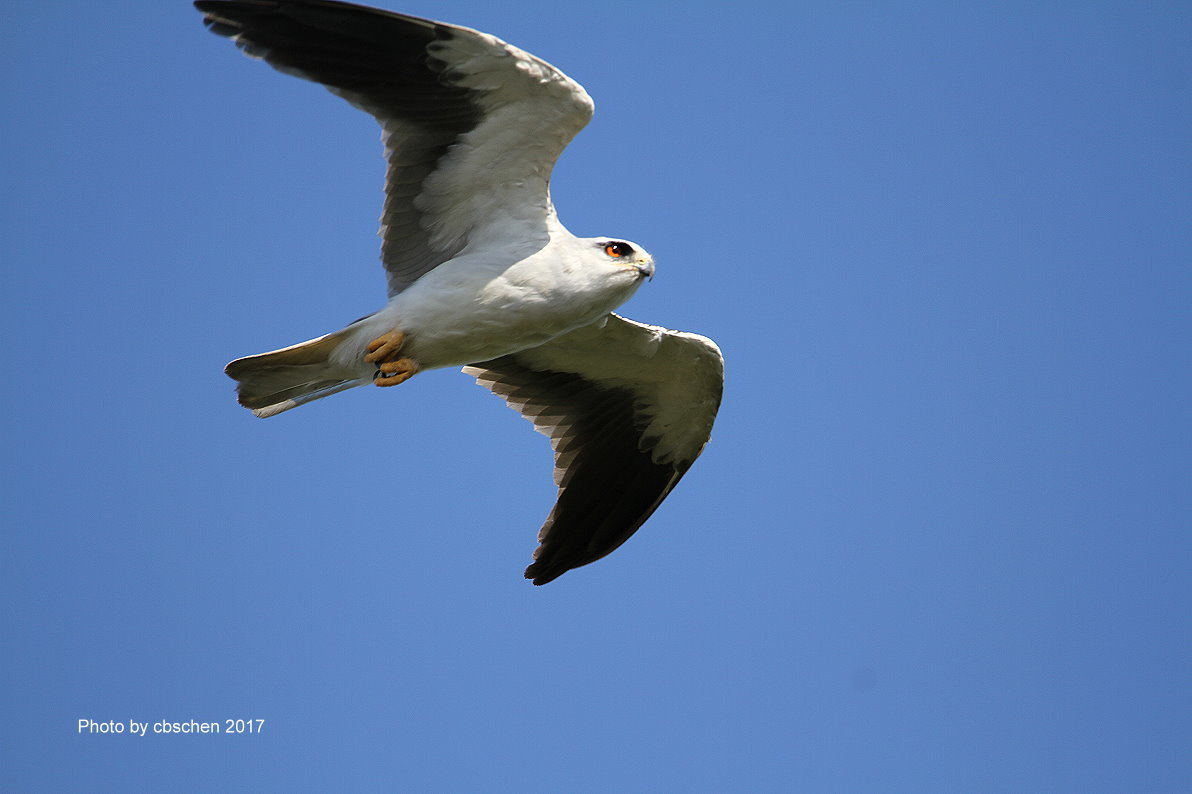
(392, 369)
(385, 347)
(391, 373)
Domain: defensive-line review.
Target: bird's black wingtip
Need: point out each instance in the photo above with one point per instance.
(539, 577)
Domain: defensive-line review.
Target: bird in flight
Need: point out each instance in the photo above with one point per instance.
(481, 273)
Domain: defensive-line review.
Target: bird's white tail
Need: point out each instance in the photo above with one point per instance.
(269, 383)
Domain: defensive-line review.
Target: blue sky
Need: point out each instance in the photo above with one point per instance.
(939, 541)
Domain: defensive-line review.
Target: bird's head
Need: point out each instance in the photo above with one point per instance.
(622, 253)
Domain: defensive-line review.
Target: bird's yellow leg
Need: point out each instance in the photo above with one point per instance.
(385, 347)
(392, 368)
(391, 373)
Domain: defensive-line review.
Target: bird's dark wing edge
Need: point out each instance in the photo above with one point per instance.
(608, 483)
(377, 60)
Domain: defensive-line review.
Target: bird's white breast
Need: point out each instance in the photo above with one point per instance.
(477, 307)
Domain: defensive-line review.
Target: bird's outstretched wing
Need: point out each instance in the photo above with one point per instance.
(472, 126)
(628, 408)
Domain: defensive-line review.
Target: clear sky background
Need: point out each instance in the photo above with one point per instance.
(940, 539)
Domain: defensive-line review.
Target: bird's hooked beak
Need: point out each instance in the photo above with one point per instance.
(645, 266)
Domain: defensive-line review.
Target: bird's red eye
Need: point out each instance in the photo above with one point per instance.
(617, 249)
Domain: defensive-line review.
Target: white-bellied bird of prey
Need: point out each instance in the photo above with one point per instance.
(481, 272)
